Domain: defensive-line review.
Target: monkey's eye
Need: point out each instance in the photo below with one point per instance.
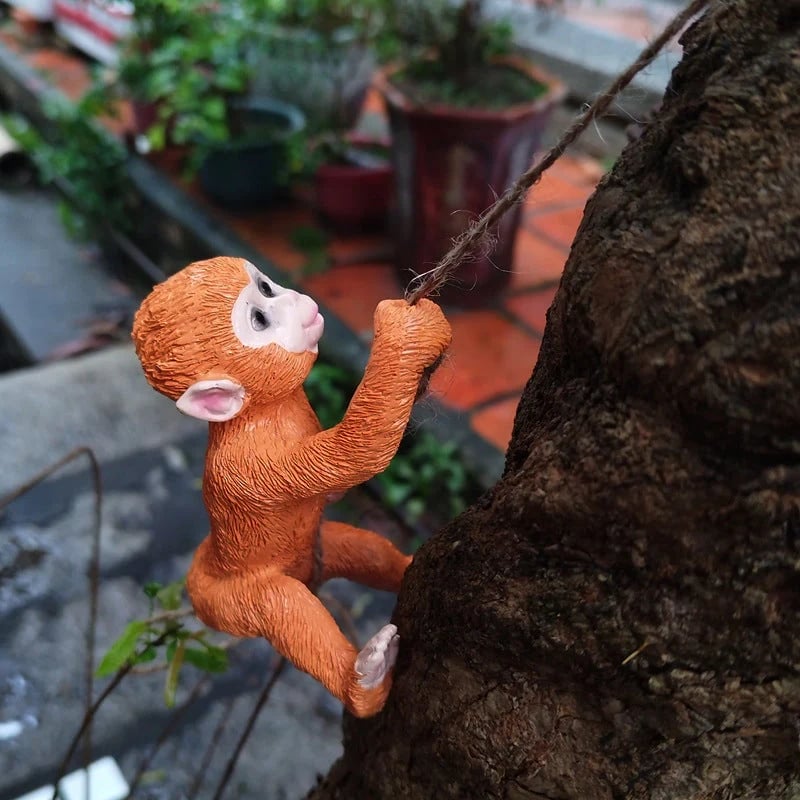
(265, 289)
(258, 320)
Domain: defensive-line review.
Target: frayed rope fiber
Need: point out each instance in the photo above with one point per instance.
(476, 236)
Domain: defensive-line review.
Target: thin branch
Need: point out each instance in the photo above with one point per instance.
(85, 723)
(90, 714)
(94, 591)
(166, 616)
(24, 488)
(475, 237)
(260, 703)
(93, 576)
(346, 617)
(167, 731)
(213, 743)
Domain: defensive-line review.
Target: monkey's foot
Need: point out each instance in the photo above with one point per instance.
(377, 658)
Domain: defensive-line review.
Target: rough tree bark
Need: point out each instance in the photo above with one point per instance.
(618, 617)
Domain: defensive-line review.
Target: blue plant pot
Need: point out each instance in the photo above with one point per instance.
(248, 172)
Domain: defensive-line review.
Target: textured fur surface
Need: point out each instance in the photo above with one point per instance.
(269, 466)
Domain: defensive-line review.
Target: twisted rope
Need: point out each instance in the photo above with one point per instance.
(471, 240)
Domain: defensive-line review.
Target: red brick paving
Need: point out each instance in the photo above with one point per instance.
(353, 291)
(531, 307)
(494, 350)
(536, 262)
(495, 422)
(558, 227)
(489, 357)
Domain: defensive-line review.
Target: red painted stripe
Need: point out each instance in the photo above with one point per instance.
(79, 17)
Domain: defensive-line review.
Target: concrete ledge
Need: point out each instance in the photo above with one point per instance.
(99, 400)
(586, 59)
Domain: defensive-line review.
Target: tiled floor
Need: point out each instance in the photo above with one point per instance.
(495, 348)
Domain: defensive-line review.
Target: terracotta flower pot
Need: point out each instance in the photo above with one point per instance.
(450, 164)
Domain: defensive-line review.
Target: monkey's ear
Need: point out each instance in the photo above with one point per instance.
(212, 401)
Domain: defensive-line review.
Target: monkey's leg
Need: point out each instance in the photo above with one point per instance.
(362, 556)
(294, 621)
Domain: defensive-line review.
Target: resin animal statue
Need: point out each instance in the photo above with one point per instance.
(232, 347)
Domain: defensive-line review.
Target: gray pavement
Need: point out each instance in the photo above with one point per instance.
(153, 520)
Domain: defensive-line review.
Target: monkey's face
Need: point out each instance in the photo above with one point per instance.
(265, 313)
(219, 336)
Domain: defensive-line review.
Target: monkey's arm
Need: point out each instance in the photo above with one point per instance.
(407, 340)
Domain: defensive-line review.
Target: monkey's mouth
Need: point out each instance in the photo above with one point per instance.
(314, 329)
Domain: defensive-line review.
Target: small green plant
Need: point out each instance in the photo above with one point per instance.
(164, 628)
(427, 476)
(313, 243)
(450, 49)
(82, 160)
(361, 17)
(184, 60)
(329, 390)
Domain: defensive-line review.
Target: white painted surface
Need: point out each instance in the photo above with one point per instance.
(11, 729)
(38, 9)
(45, 793)
(106, 782)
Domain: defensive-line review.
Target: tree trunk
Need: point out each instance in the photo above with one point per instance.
(618, 617)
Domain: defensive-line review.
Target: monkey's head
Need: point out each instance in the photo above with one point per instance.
(219, 336)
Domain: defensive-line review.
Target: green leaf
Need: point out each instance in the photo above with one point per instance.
(397, 493)
(212, 659)
(152, 588)
(157, 136)
(170, 595)
(173, 673)
(122, 650)
(148, 654)
(308, 237)
(415, 508)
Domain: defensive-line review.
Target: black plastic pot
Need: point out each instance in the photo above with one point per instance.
(247, 172)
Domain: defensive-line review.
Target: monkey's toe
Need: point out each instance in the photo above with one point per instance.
(377, 658)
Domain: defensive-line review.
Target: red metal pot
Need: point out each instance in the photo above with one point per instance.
(450, 165)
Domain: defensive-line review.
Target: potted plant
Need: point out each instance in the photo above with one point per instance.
(177, 66)
(185, 70)
(251, 164)
(353, 180)
(316, 54)
(466, 118)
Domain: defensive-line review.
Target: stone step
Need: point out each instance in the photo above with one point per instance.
(50, 284)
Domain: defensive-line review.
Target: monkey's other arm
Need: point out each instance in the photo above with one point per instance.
(407, 340)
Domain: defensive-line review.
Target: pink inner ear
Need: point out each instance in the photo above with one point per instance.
(214, 401)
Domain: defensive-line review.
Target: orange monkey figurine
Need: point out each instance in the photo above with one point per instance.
(232, 347)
